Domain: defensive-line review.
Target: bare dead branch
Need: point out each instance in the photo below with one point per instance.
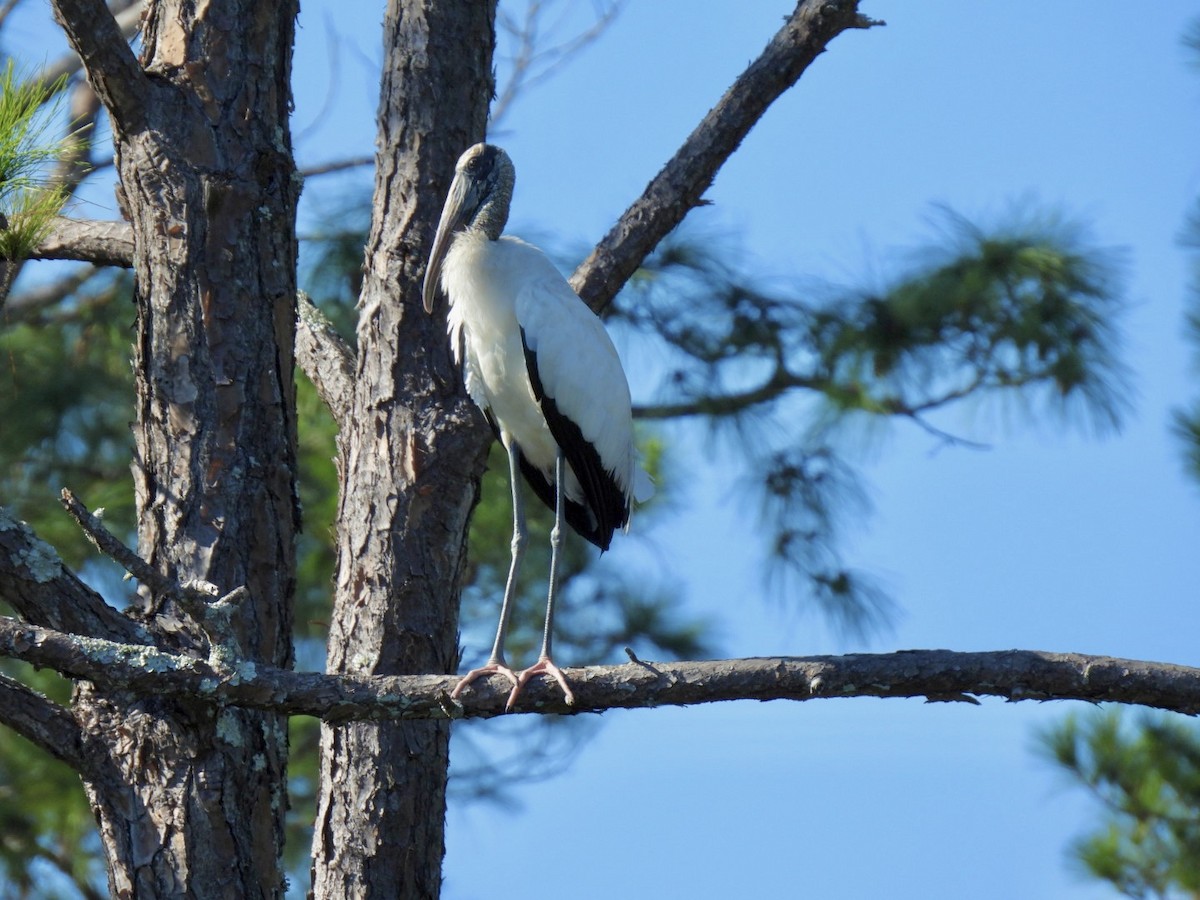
(325, 357)
(111, 67)
(28, 305)
(533, 61)
(104, 541)
(679, 187)
(338, 165)
(41, 721)
(201, 600)
(86, 240)
(128, 15)
(34, 582)
(936, 675)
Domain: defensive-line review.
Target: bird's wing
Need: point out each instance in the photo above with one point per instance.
(577, 378)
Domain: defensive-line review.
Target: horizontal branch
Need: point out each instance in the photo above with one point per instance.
(780, 382)
(937, 675)
(98, 242)
(337, 165)
(679, 187)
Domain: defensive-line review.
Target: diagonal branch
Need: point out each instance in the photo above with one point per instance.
(936, 675)
(533, 63)
(128, 16)
(41, 721)
(111, 66)
(678, 188)
(326, 358)
(29, 305)
(34, 582)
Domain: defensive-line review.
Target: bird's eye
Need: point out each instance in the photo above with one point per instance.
(481, 165)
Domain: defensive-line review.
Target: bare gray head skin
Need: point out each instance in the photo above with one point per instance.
(478, 200)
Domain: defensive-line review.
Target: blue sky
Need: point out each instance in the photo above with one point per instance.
(1048, 540)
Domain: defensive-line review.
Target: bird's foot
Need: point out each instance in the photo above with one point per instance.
(544, 666)
(494, 667)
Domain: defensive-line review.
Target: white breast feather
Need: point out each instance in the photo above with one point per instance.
(497, 287)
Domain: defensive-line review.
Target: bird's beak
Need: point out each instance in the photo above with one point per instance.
(456, 211)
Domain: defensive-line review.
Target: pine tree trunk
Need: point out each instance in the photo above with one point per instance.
(190, 798)
(412, 453)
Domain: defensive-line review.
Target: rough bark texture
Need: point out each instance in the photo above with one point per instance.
(412, 453)
(103, 243)
(189, 797)
(937, 675)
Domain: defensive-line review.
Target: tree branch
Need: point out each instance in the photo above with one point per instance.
(104, 541)
(681, 183)
(111, 66)
(325, 357)
(34, 582)
(937, 675)
(28, 305)
(128, 16)
(533, 63)
(87, 240)
(41, 721)
(321, 353)
(338, 165)
(780, 382)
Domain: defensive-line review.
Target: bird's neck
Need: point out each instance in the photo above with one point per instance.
(493, 215)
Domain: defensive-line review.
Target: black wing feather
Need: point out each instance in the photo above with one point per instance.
(605, 507)
(576, 514)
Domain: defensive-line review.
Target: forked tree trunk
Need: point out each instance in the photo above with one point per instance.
(190, 798)
(412, 452)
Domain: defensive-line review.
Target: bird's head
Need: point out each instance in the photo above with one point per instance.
(479, 198)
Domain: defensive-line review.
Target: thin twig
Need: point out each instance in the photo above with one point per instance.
(531, 64)
(108, 544)
(338, 165)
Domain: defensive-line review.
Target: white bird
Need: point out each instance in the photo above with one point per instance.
(541, 366)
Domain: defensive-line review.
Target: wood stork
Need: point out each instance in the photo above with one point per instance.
(544, 371)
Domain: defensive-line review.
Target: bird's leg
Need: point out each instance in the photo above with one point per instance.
(545, 665)
(496, 664)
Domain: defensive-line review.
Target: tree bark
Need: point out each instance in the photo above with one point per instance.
(936, 675)
(188, 785)
(412, 451)
(190, 797)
